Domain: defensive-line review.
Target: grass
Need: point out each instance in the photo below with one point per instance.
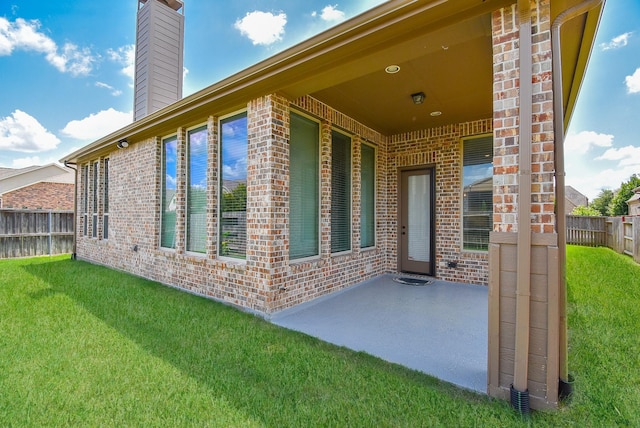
(84, 345)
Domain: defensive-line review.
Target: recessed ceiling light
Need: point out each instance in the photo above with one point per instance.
(392, 69)
(436, 113)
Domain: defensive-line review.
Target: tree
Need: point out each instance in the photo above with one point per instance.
(602, 201)
(585, 211)
(618, 205)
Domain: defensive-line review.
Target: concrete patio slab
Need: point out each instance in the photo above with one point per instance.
(439, 329)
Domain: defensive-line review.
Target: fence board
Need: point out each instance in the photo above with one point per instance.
(28, 233)
(586, 231)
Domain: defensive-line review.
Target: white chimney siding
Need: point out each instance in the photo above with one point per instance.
(159, 56)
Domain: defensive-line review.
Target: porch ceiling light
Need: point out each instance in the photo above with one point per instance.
(123, 144)
(435, 113)
(418, 97)
(392, 69)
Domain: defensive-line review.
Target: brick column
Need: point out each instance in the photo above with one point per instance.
(542, 326)
(267, 195)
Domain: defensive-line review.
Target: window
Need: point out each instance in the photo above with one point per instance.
(367, 196)
(94, 193)
(304, 187)
(477, 207)
(197, 153)
(340, 192)
(105, 200)
(169, 176)
(233, 186)
(85, 200)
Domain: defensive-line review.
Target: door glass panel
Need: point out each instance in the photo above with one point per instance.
(418, 217)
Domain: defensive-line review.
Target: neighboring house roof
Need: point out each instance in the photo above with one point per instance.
(344, 67)
(575, 197)
(12, 179)
(636, 196)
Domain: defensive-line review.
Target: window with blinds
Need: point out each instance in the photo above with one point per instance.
(304, 187)
(233, 186)
(169, 178)
(477, 210)
(367, 196)
(197, 159)
(94, 193)
(340, 192)
(105, 199)
(85, 200)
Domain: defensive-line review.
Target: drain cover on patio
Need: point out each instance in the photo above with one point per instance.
(412, 281)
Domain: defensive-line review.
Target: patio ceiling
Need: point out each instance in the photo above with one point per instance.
(452, 66)
(443, 48)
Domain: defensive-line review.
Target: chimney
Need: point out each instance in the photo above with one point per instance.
(159, 55)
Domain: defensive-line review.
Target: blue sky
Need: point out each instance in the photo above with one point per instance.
(67, 74)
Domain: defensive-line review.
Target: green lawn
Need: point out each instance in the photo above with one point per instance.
(84, 345)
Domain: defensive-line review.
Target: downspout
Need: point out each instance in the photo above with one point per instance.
(75, 206)
(519, 391)
(558, 126)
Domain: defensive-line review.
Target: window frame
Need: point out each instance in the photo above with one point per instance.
(375, 194)
(163, 178)
(462, 192)
(95, 197)
(197, 128)
(105, 198)
(220, 185)
(350, 193)
(319, 177)
(85, 199)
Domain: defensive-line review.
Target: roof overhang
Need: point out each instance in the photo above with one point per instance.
(443, 48)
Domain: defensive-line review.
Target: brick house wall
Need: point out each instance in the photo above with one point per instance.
(45, 196)
(268, 281)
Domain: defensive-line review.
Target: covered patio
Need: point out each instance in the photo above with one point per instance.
(439, 328)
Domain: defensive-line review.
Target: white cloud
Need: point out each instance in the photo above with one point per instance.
(617, 42)
(21, 132)
(633, 82)
(26, 35)
(591, 184)
(97, 125)
(627, 156)
(125, 56)
(581, 142)
(32, 160)
(331, 13)
(115, 92)
(262, 28)
(236, 171)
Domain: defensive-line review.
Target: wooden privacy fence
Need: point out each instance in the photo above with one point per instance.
(588, 231)
(621, 234)
(27, 233)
